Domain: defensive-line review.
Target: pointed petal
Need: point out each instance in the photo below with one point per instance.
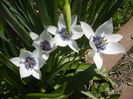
(24, 54)
(92, 44)
(36, 73)
(114, 37)
(59, 41)
(45, 56)
(16, 61)
(61, 22)
(37, 53)
(42, 61)
(52, 29)
(106, 27)
(36, 44)
(88, 31)
(45, 36)
(77, 32)
(33, 35)
(98, 60)
(73, 45)
(74, 20)
(113, 48)
(24, 72)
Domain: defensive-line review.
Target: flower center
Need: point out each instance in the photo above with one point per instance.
(99, 42)
(45, 45)
(65, 35)
(30, 62)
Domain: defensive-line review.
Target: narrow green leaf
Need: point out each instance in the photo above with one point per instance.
(89, 94)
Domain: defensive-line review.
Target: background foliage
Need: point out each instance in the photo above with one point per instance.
(65, 75)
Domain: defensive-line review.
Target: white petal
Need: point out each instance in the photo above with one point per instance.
(36, 44)
(16, 61)
(24, 54)
(52, 29)
(36, 74)
(42, 61)
(33, 35)
(114, 37)
(77, 32)
(59, 41)
(106, 27)
(88, 31)
(74, 20)
(45, 56)
(73, 45)
(61, 22)
(24, 72)
(45, 36)
(37, 53)
(113, 48)
(92, 44)
(98, 60)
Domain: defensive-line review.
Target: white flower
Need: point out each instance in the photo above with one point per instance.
(62, 37)
(103, 41)
(29, 63)
(45, 43)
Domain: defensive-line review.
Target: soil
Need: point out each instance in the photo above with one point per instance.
(122, 73)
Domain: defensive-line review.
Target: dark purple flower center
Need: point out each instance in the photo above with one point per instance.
(65, 35)
(29, 62)
(45, 45)
(99, 42)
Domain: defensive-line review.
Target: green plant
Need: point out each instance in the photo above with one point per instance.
(64, 75)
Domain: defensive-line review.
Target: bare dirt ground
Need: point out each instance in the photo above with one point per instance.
(122, 73)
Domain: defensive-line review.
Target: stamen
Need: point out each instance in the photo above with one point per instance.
(65, 35)
(45, 45)
(30, 62)
(99, 42)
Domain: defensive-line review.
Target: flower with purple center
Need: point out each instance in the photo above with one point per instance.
(29, 63)
(45, 43)
(65, 35)
(103, 41)
(62, 37)
(99, 42)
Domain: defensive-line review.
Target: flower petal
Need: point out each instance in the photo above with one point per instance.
(106, 27)
(61, 23)
(33, 35)
(24, 72)
(45, 56)
(114, 37)
(52, 29)
(74, 20)
(73, 45)
(88, 31)
(36, 74)
(113, 48)
(59, 41)
(24, 54)
(77, 32)
(92, 44)
(98, 60)
(16, 61)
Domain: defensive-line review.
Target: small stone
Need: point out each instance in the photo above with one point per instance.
(129, 83)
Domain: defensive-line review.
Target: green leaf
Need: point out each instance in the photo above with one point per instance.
(13, 22)
(89, 94)
(43, 12)
(44, 96)
(80, 79)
